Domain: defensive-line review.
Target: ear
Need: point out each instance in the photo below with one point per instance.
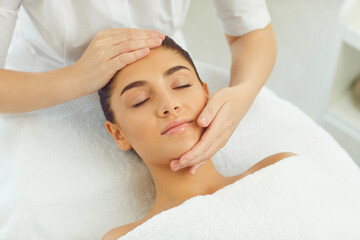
(206, 89)
(118, 136)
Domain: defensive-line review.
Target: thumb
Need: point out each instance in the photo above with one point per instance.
(209, 112)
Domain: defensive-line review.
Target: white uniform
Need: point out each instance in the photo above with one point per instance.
(59, 168)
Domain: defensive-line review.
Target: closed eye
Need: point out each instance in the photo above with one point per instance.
(183, 86)
(180, 87)
(138, 104)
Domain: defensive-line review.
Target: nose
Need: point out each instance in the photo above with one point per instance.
(168, 106)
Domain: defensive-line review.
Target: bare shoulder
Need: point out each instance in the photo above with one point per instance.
(120, 231)
(266, 162)
(271, 160)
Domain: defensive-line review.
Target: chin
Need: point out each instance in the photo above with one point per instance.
(182, 143)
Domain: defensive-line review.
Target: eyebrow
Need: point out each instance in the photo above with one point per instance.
(142, 82)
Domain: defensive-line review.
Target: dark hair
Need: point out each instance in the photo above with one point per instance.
(106, 91)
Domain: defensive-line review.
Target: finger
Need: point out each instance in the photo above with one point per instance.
(209, 153)
(212, 142)
(175, 165)
(210, 110)
(119, 35)
(194, 168)
(200, 149)
(130, 46)
(201, 158)
(126, 58)
(209, 143)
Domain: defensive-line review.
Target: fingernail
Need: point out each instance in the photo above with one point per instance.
(204, 120)
(175, 166)
(183, 162)
(160, 35)
(158, 40)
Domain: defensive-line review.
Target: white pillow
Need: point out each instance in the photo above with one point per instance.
(80, 184)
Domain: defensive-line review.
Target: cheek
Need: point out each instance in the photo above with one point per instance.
(195, 101)
(141, 132)
(138, 125)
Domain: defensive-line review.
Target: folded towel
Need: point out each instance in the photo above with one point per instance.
(291, 199)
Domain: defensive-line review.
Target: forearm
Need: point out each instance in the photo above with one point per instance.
(24, 91)
(253, 58)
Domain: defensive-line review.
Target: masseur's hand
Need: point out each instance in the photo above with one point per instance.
(110, 51)
(221, 116)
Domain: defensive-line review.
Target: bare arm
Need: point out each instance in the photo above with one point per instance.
(23, 91)
(253, 58)
(108, 52)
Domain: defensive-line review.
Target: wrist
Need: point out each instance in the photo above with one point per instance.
(74, 81)
(247, 87)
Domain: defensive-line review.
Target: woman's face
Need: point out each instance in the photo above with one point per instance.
(147, 96)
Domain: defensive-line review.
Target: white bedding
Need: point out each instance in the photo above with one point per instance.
(63, 177)
(291, 199)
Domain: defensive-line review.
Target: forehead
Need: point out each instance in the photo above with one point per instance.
(155, 63)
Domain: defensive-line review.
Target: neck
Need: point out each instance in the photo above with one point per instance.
(173, 188)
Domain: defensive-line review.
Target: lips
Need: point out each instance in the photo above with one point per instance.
(174, 124)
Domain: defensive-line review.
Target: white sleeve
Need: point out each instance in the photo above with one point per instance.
(8, 16)
(238, 17)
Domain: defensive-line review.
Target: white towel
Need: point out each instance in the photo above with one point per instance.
(63, 177)
(291, 199)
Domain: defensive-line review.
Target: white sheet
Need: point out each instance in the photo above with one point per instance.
(291, 199)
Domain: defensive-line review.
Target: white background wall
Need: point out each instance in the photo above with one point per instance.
(305, 32)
